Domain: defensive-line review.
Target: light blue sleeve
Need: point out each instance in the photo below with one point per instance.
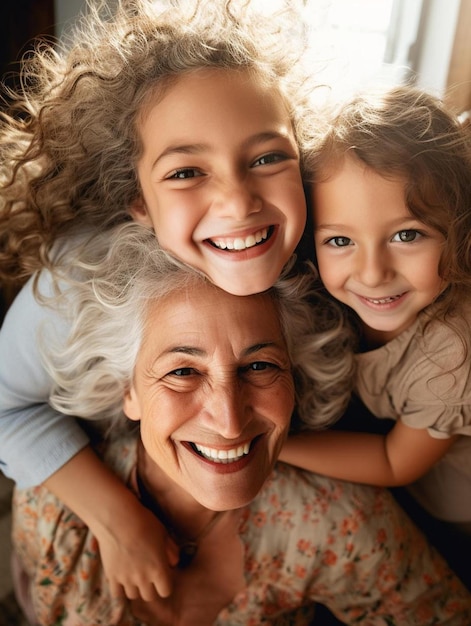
(35, 440)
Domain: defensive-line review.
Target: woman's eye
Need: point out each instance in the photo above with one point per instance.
(406, 236)
(183, 174)
(267, 159)
(260, 373)
(259, 366)
(339, 242)
(182, 371)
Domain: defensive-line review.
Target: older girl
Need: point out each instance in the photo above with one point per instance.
(187, 117)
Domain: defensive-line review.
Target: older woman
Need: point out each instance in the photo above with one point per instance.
(212, 379)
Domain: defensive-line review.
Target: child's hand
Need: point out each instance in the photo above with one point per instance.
(137, 554)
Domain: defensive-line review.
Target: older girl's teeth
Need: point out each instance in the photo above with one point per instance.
(242, 243)
(248, 242)
(223, 456)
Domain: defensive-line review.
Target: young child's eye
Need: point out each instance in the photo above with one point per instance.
(406, 236)
(339, 242)
(267, 159)
(184, 173)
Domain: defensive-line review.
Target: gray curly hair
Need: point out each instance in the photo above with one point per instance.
(109, 306)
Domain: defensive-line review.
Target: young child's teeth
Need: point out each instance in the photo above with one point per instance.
(242, 243)
(383, 300)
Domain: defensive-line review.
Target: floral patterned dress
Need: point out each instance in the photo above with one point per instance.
(305, 539)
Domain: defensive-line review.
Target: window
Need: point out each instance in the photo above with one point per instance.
(365, 41)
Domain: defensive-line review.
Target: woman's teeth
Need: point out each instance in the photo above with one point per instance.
(241, 243)
(223, 456)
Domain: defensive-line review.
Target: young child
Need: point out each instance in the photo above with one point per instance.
(392, 219)
(188, 119)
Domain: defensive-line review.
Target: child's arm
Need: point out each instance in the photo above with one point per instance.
(134, 546)
(398, 458)
(35, 440)
(39, 445)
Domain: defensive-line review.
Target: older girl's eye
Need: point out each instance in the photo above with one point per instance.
(339, 242)
(406, 236)
(185, 173)
(268, 159)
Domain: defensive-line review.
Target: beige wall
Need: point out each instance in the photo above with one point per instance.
(459, 73)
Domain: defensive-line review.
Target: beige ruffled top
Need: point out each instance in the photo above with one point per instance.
(423, 378)
(411, 378)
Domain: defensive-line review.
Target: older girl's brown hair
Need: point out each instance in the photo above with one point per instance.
(69, 141)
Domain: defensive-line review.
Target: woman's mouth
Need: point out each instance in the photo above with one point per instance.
(223, 456)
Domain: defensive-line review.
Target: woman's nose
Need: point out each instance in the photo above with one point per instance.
(226, 409)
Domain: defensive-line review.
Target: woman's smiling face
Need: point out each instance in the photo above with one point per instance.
(214, 392)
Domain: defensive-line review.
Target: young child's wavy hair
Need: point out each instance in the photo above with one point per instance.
(409, 134)
(69, 142)
(126, 271)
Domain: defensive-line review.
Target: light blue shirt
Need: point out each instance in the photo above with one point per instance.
(35, 439)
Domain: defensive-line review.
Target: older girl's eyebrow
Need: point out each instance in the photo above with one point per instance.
(193, 148)
(266, 136)
(198, 148)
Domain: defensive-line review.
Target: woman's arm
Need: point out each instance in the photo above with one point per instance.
(61, 557)
(376, 567)
(398, 458)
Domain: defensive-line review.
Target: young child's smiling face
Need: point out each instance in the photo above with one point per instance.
(220, 178)
(373, 255)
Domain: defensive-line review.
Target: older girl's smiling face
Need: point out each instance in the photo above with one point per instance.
(220, 178)
(214, 392)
